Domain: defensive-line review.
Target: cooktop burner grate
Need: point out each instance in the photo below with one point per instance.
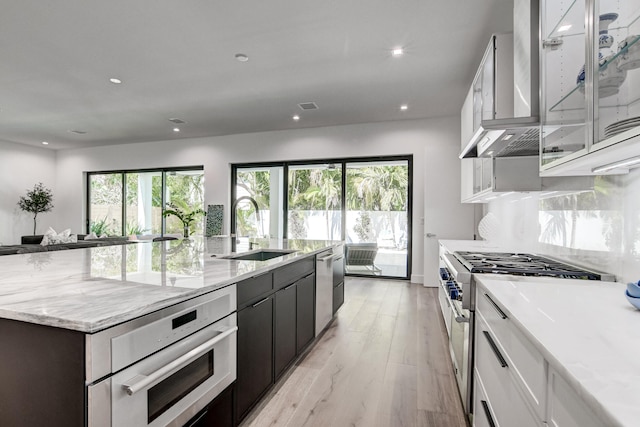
(522, 265)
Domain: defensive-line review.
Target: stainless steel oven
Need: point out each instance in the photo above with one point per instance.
(459, 321)
(165, 367)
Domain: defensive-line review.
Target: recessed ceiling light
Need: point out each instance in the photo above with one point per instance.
(397, 51)
(45, 143)
(115, 81)
(404, 107)
(296, 117)
(176, 129)
(242, 57)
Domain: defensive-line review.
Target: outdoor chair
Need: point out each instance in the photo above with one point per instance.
(361, 255)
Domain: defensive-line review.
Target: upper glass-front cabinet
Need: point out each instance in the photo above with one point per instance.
(590, 76)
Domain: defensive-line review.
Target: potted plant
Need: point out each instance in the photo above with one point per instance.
(40, 199)
(187, 218)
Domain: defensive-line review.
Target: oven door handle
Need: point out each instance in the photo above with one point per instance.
(140, 382)
(459, 316)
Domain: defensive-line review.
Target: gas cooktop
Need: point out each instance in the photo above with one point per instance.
(524, 265)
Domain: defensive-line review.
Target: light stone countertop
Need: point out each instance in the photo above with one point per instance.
(586, 330)
(95, 288)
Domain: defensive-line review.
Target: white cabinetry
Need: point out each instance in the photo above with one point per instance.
(566, 408)
(588, 117)
(504, 378)
(514, 385)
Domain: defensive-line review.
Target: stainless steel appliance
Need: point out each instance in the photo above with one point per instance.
(457, 297)
(329, 269)
(163, 368)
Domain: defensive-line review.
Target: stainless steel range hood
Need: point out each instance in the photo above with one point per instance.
(519, 136)
(505, 94)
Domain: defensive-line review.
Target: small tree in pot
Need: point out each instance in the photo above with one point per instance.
(40, 199)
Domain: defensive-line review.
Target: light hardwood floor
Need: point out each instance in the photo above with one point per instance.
(383, 362)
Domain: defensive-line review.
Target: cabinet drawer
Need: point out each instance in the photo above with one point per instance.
(508, 404)
(483, 413)
(566, 408)
(250, 289)
(526, 363)
(288, 274)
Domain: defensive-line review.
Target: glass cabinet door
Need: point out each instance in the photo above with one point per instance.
(564, 121)
(617, 86)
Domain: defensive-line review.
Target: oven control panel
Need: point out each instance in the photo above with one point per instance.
(450, 285)
(147, 339)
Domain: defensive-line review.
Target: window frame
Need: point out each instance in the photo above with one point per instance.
(123, 173)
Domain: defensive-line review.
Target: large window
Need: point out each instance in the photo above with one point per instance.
(364, 201)
(131, 202)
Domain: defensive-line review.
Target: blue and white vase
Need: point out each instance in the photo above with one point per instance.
(610, 77)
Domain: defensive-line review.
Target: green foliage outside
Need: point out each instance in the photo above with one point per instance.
(369, 188)
(184, 189)
(37, 200)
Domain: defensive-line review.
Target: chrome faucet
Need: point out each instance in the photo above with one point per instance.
(233, 208)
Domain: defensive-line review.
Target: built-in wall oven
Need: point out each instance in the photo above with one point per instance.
(457, 297)
(164, 368)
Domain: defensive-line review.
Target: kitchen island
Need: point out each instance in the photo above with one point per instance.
(63, 314)
(92, 289)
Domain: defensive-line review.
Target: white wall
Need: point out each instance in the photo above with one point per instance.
(21, 167)
(606, 235)
(216, 154)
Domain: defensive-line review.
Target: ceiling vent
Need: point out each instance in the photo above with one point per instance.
(77, 132)
(177, 121)
(308, 106)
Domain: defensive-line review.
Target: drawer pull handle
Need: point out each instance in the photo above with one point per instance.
(259, 302)
(494, 347)
(500, 312)
(487, 412)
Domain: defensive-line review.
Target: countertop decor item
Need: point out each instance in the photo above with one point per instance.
(186, 217)
(214, 220)
(633, 300)
(38, 200)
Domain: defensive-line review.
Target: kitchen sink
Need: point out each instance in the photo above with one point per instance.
(261, 255)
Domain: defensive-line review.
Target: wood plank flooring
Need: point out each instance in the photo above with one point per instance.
(384, 362)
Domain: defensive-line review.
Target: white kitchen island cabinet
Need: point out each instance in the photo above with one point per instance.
(569, 348)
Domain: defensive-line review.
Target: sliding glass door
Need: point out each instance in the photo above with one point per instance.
(257, 188)
(377, 218)
(364, 201)
(125, 203)
(315, 202)
(105, 202)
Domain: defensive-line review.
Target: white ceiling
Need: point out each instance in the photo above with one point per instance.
(176, 59)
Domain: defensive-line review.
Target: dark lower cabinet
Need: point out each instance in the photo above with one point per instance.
(255, 353)
(305, 311)
(42, 381)
(285, 328)
(219, 413)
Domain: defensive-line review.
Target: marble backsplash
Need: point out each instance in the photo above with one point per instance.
(598, 228)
